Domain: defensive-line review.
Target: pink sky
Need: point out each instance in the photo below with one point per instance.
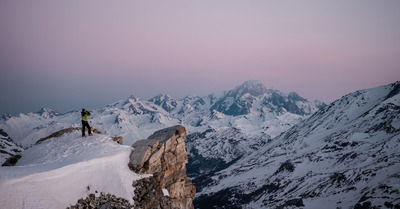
(69, 54)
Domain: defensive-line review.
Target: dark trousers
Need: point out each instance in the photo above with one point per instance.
(86, 124)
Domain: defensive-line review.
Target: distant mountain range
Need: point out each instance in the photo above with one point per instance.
(135, 118)
(346, 155)
(254, 147)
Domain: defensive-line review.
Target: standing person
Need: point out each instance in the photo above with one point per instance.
(85, 122)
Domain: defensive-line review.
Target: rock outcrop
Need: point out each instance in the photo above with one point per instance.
(11, 161)
(102, 201)
(164, 155)
(59, 133)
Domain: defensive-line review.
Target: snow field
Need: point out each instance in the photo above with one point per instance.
(59, 171)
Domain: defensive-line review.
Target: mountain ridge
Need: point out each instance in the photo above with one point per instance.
(191, 111)
(252, 87)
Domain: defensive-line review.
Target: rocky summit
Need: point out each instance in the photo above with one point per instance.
(164, 156)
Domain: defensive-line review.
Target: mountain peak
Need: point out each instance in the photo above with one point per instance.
(131, 99)
(251, 83)
(254, 95)
(6, 116)
(296, 97)
(253, 87)
(165, 101)
(161, 97)
(48, 112)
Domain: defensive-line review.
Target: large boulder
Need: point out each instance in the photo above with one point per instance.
(164, 155)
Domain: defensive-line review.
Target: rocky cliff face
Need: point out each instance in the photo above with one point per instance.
(164, 155)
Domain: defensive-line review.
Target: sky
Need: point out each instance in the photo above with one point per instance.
(69, 55)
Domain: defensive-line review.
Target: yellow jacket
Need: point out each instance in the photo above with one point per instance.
(85, 115)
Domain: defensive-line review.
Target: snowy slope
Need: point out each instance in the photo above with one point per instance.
(345, 155)
(59, 171)
(237, 136)
(26, 129)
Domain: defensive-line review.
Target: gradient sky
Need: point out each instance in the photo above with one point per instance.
(67, 55)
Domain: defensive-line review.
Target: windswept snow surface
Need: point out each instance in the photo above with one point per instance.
(59, 171)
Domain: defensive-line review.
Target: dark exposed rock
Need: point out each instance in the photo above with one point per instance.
(118, 139)
(233, 197)
(338, 178)
(395, 90)
(11, 161)
(286, 166)
(102, 201)
(365, 205)
(293, 202)
(149, 194)
(9, 150)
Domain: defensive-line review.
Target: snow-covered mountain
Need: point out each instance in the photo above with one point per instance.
(346, 155)
(250, 108)
(253, 97)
